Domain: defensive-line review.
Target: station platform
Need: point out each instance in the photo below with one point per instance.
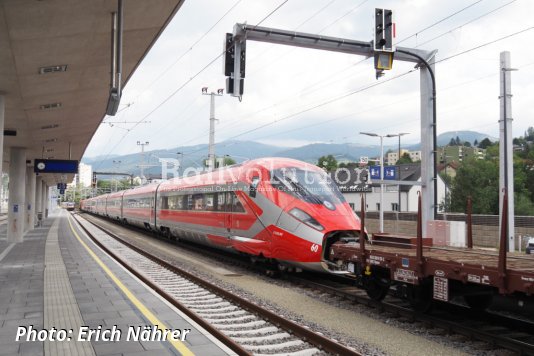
(58, 279)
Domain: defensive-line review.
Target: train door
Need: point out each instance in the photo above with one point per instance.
(152, 220)
(228, 201)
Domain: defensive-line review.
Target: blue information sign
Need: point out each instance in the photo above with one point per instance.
(374, 172)
(55, 166)
(390, 172)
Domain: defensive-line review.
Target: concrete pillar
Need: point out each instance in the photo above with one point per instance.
(2, 111)
(17, 201)
(47, 200)
(38, 196)
(30, 199)
(43, 198)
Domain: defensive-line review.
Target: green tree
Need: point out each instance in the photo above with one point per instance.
(522, 204)
(480, 180)
(485, 143)
(227, 161)
(467, 144)
(104, 184)
(475, 143)
(405, 159)
(329, 163)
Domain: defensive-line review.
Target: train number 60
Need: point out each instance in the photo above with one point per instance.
(314, 248)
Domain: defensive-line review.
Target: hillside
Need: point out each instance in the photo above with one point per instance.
(193, 156)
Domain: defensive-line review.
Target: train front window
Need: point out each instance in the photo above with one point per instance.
(310, 186)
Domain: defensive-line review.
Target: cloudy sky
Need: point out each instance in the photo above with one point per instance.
(283, 84)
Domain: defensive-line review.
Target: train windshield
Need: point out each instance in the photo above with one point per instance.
(310, 186)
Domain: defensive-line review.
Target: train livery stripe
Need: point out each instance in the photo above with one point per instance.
(179, 346)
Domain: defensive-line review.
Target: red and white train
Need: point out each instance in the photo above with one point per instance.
(281, 210)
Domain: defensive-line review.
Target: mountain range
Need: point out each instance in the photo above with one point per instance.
(193, 156)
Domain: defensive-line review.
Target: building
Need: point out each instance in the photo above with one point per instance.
(459, 153)
(83, 178)
(346, 182)
(85, 174)
(393, 157)
(449, 168)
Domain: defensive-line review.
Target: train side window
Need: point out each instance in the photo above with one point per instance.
(188, 199)
(253, 187)
(198, 202)
(237, 207)
(228, 203)
(173, 202)
(181, 202)
(209, 202)
(220, 201)
(164, 203)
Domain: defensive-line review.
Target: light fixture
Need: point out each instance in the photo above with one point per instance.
(53, 69)
(48, 150)
(50, 106)
(50, 140)
(51, 126)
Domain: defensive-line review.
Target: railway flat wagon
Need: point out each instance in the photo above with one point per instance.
(422, 273)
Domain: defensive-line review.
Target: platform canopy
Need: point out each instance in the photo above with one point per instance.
(55, 64)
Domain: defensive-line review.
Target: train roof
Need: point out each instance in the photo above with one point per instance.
(146, 189)
(222, 175)
(229, 174)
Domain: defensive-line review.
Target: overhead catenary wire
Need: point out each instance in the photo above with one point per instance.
(440, 21)
(472, 48)
(233, 122)
(184, 84)
(189, 49)
(384, 81)
(467, 23)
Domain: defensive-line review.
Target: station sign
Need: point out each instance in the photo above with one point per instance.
(55, 166)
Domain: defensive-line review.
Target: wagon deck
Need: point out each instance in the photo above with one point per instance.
(443, 263)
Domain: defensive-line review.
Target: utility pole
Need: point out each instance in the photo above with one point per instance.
(211, 147)
(142, 165)
(506, 166)
(180, 162)
(118, 163)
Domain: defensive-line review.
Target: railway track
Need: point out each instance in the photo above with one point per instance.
(243, 326)
(496, 330)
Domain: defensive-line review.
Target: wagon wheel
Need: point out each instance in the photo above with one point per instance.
(377, 288)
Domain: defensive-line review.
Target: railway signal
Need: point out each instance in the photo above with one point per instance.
(383, 41)
(234, 70)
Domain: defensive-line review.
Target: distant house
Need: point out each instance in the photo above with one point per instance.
(459, 153)
(346, 181)
(393, 157)
(448, 168)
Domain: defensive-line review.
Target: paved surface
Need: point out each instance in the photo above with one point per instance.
(73, 291)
